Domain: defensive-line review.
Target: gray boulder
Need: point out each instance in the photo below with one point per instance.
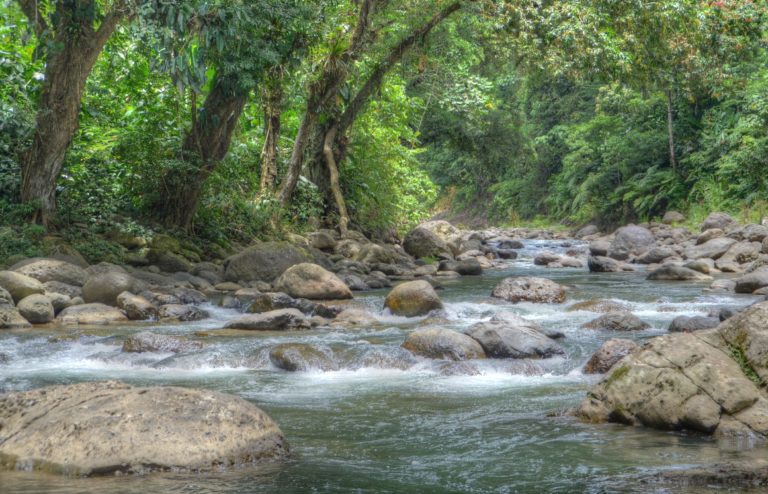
(91, 314)
(11, 319)
(413, 298)
(630, 240)
(136, 307)
(617, 321)
(502, 340)
(752, 281)
(19, 285)
(264, 261)
(602, 264)
(446, 344)
(685, 324)
(102, 428)
(672, 272)
(6, 300)
(609, 353)
(671, 217)
(422, 242)
(717, 220)
(52, 270)
(161, 343)
(276, 320)
(656, 255)
(36, 309)
(712, 249)
(529, 289)
(311, 281)
(181, 312)
(300, 357)
(104, 288)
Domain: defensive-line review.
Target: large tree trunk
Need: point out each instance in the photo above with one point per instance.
(205, 145)
(273, 97)
(75, 46)
(333, 174)
(671, 131)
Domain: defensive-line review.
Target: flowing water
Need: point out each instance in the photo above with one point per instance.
(386, 421)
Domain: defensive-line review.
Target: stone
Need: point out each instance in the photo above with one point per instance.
(373, 253)
(136, 307)
(275, 320)
(161, 343)
(105, 288)
(586, 231)
(413, 298)
(507, 243)
(602, 264)
(19, 285)
(322, 240)
(169, 262)
(617, 321)
(630, 240)
(609, 353)
(685, 324)
(265, 302)
(712, 249)
(672, 272)
(6, 300)
(529, 289)
(121, 428)
(672, 217)
(52, 270)
(705, 265)
(445, 344)
(465, 267)
(599, 305)
(181, 312)
(742, 252)
(708, 235)
(422, 242)
(11, 319)
(36, 309)
(301, 357)
(599, 247)
(546, 257)
(655, 255)
(91, 314)
(752, 281)
(311, 281)
(264, 261)
(755, 233)
(717, 220)
(503, 340)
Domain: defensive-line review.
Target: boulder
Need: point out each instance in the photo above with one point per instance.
(6, 300)
(181, 312)
(546, 257)
(19, 285)
(586, 231)
(742, 253)
(529, 289)
(507, 243)
(136, 307)
(373, 253)
(672, 272)
(413, 298)
(630, 240)
(685, 324)
(422, 242)
(52, 270)
(465, 267)
(671, 217)
(265, 302)
(322, 240)
(717, 220)
(102, 428)
(160, 343)
(264, 261)
(599, 305)
(602, 264)
(755, 233)
(617, 321)
(752, 281)
(446, 344)
(708, 235)
(104, 288)
(168, 261)
(712, 249)
(599, 247)
(311, 281)
(36, 309)
(11, 319)
(91, 314)
(300, 357)
(704, 265)
(503, 340)
(656, 255)
(511, 319)
(608, 355)
(275, 320)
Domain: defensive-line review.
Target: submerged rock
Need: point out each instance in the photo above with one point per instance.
(413, 298)
(530, 289)
(152, 342)
(446, 344)
(105, 427)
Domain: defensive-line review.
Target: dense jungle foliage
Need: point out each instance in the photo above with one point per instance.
(234, 119)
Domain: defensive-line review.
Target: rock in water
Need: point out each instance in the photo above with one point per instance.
(275, 320)
(300, 357)
(96, 314)
(500, 340)
(151, 342)
(105, 288)
(608, 355)
(670, 272)
(413, 298)
(529, 289)
(630, 240)
(263, 262)
(439, 343)
(617, 321)
(101, 428)
(311, 281)
(36, 309)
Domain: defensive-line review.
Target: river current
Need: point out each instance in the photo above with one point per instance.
(385, 421)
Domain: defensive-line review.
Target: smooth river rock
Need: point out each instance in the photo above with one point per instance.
(307, 280)
(530, 289)
(617, 321)
(274, 320)
(100, 428)
(608, 355)
(502, 340)
(413, 298)
(446, 344)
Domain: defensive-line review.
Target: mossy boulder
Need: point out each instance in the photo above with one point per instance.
(264, 261)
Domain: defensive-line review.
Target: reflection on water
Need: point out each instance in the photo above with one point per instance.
(386, 421)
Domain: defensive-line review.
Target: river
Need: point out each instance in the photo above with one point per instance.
(385, 421)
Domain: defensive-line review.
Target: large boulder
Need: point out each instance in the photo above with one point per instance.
(655, 255)
(602, 264)
(630, 240)
(19, 285)
(311, 281)
(181, 313)
(275, 320)
(91, 314)
(529, 289)
(752, 281)
(162, 343)
(717, 220)
(422, 242)
(136, 307)
(264, 262)
(686, 324)
(447, 344)
(52, 270)
(617, 321)
(672, 272)
(712, 249)
(106, 287)
(608, 355)
(300, 357)
(599, 305)
(36, 309)
(710, 380)
(671, 217)
(503, 340)
(6, 300)
(11, 319)
(102, 428)
(413, 298)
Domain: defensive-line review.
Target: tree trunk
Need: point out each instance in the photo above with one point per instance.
(333, 173)
(273, 97)
(70, 58)
(671, 131)
(205, 145)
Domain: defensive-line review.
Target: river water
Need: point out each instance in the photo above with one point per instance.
(385, 421)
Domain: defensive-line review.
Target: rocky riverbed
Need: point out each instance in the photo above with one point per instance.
(369, 354)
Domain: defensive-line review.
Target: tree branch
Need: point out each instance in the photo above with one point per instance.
(36, 19)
